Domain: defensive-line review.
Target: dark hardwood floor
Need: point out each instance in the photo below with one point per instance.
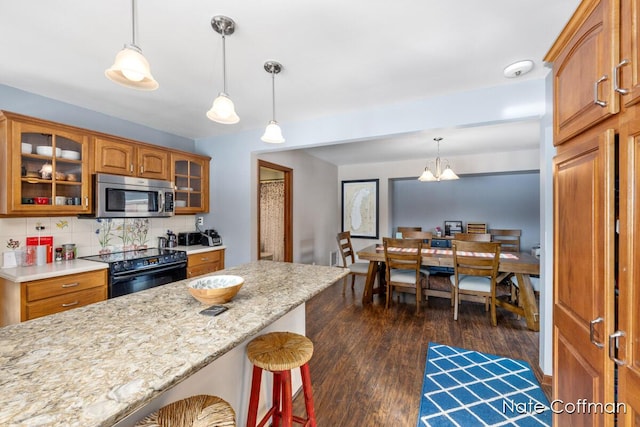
(368, 362)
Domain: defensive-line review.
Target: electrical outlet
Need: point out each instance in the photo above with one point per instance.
(200, 220)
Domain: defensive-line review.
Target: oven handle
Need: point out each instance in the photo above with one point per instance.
(131, 274)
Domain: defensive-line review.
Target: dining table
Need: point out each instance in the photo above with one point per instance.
(521, 264)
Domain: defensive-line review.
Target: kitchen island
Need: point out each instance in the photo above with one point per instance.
(96, 365)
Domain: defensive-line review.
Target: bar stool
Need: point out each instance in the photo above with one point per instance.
(279, 353)
(200, 410)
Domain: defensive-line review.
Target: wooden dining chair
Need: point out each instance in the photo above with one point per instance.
(356, 268)
(509, 239)
(425, 236)
(473, 237)
(475, 275)
(402, 259)
(403, 230)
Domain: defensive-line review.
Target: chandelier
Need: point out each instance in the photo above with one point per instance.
(438, 174)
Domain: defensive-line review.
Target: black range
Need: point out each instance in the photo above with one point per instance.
(134, 271)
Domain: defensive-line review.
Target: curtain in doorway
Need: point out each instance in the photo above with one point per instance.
(272, 219)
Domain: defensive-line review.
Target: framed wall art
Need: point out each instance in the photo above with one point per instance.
(360, 208)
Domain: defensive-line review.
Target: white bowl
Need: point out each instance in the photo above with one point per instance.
(215, 289)
(69, 154)
(181, 204)
(44, 150)
(26, 148)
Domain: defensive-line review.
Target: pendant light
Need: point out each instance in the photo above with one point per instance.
(440, 175)
(273, 133)
(131, 68)
(223, 111)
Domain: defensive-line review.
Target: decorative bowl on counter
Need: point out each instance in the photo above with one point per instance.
(215, 289)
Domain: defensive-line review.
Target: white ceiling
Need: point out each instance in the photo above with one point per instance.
(338, 56)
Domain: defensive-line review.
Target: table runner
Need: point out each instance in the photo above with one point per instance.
(438, 251)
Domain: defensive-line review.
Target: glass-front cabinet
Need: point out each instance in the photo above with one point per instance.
(47, 167)
(191, 179)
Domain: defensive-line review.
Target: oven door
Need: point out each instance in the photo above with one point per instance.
(135, 281)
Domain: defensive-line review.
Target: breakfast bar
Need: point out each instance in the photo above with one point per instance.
(97, 365)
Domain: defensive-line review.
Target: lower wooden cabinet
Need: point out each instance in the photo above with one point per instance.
(205, 262)
(37, 298)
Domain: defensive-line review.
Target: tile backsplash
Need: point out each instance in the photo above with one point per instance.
(90, 235)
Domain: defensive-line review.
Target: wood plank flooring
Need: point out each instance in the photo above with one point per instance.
(368, 362)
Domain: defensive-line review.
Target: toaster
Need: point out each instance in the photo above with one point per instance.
(189, 238)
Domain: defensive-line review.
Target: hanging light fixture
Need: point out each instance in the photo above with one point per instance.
(273, 133)
(440, 175)
(223, 111)
(131, 68)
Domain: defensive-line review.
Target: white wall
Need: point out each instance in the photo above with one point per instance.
(315, 223)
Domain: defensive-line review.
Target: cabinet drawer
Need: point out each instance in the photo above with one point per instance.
(201, 269)
(45, 288)
(65, 302)
(204, 258)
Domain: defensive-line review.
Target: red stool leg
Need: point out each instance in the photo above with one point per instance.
(255, 397)
(276, 394)
(308, 395)
(287, 407)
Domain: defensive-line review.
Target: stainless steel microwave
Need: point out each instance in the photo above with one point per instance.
(117, 196)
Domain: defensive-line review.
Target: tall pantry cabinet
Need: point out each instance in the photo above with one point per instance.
(596, 337)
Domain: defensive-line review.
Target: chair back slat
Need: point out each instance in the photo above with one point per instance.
(473, 237)
(346, 250)
(509, 239)
(425, 236)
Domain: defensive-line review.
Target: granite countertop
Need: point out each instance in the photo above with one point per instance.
(55, 269)
(93, 365)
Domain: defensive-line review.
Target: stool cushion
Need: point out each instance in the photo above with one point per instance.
(195, 411)
(280, 351)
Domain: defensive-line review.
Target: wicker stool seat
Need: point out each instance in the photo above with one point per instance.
(195, 411)
(279, 353)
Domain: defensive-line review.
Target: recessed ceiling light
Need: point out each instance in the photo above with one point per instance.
(518, 69)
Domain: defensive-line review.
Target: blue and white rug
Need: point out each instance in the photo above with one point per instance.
(467, 388)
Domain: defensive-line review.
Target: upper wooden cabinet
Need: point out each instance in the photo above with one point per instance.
(121, 157)
(585, 59)
(44, 167)
(190, 174)
(629, 65)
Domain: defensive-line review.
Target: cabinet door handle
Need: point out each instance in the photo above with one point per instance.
(592, 331)
(595, 92)
(70, 304)
(141, 169)
(131, 167)
(86, 201)
(70, 285)
(204, 259)
(613, 344)
(616, 76)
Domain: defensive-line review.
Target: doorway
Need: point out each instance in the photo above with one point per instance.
(275, 203)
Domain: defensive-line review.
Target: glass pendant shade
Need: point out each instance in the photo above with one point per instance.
(223, 111)
(131, 69)
(273, 133)
(427, 175)
(448, 174)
